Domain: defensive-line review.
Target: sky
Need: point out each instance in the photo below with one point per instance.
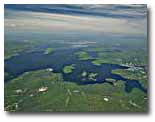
(95, 21)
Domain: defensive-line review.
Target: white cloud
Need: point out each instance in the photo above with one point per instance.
(38, 21)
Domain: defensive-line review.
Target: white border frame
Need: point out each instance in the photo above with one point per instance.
(80, 117)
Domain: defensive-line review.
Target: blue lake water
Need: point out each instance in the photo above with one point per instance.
(25, 62)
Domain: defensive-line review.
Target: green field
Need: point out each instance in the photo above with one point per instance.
(22, 94)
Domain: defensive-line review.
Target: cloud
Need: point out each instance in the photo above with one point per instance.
(110, 19)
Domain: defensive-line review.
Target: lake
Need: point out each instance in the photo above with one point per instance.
(57, 60)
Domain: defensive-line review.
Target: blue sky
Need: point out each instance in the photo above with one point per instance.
(97, 20)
